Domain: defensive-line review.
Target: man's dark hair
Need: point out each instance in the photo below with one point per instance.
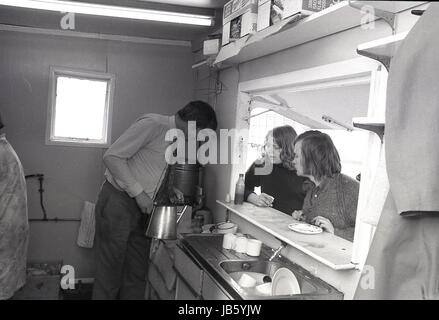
(201, 112)
(1, 122)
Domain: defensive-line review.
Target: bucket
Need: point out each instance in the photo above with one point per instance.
(184, 177)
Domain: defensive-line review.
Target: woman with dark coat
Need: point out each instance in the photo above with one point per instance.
(281, 187)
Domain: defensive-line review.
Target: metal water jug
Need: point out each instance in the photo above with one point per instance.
(163, 222)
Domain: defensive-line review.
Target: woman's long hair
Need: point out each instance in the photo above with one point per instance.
(284, 137)
(320, 156)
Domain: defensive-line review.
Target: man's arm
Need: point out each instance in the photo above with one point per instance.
(129, 143)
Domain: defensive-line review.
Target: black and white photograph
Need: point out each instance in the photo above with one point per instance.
(219, 158)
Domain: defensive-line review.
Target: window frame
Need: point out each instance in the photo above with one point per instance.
(55, 72)
(349, 72)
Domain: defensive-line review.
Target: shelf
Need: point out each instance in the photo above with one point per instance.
(330, 250)
(290, 33)
(388, 6)
(374, 125)
(383, 49)
(386, 10)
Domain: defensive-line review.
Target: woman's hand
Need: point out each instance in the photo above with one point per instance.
(298, 215)
(323, 223)
(263, 200)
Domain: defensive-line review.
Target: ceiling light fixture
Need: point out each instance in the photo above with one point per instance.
(111, 11)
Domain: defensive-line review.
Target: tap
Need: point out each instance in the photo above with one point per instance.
(277, 251)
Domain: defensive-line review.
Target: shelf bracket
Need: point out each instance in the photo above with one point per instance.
(378, 129)
(385, 60)
(387, 16)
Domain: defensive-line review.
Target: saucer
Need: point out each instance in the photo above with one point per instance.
(305, 228)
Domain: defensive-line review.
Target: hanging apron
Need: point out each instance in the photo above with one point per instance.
(403, 260)
(14, 226)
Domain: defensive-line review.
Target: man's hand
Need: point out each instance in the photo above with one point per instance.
(144, 202)
(177, 197)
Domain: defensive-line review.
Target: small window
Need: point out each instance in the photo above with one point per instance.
(80, 108)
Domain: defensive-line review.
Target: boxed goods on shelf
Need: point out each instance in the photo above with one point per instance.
(272, 11)
(239, 19)
(211, 46)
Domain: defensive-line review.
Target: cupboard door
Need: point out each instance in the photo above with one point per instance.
(211, 291)
(184, 292)
(189, 270)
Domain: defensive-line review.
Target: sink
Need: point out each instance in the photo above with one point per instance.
(226, 268)
(310, 287)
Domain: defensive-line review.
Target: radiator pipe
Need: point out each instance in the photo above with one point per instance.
(40, 178)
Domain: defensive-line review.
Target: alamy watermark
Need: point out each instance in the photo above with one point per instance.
(367, 280)
(68, 21)
(368, 17)
(68, 280)
(184, 149)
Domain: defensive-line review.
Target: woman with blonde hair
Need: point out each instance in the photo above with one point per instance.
(281, 187)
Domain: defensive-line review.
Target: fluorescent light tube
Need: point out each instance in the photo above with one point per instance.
(111, 11)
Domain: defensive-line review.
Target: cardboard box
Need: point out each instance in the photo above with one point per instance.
(272, 11)
(235, 8)
(211, 47)
(249, 21)
(226, 34)
(264, 13)
(306, 7)
(239, 19)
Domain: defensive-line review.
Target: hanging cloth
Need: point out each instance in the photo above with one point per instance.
(14, 226)
(403, 260)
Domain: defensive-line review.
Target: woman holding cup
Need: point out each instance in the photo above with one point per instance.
(281, 187)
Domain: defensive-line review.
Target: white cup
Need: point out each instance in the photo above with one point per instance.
(265, 288)
(253, 247)
(246, 281)
(241, 244)
(229, 240)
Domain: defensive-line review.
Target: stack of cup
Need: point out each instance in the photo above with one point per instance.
(229, 241)
(253, 247)
(241, 244)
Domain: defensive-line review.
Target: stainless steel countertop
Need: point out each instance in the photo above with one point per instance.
(207, 250)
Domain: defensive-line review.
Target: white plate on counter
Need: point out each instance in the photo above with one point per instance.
(305, 228)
